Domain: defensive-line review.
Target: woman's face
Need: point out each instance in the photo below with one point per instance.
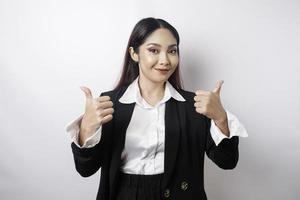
(157, 56)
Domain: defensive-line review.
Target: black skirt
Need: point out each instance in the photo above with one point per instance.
(139, 187)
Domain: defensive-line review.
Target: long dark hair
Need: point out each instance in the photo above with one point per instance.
(139, 34)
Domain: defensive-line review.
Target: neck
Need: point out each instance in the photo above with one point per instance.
(151, 90)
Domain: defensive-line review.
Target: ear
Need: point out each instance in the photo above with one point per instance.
(133, 55)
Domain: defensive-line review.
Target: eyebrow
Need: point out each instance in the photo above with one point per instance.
(160, 45)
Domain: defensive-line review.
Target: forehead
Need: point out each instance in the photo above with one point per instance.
(161, 36)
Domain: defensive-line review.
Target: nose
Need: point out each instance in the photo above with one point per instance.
(164, 60)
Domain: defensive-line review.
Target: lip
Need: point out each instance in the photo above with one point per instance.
(163, 71)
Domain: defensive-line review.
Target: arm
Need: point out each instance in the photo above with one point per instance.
(85, 156)
(222, 144)
(73, 129)
(226, 154)
(234, 128)
(97, 119)
(87, 160)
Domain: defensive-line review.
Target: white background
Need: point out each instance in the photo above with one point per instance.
(49, 48)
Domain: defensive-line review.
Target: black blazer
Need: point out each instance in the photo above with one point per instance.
(187, 139)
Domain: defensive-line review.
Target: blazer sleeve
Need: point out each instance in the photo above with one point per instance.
(89, 160)
(226, 154)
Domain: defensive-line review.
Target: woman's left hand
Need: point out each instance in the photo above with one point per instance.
(209, 104)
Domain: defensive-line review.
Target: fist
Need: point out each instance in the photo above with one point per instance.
(209, 103)
(98, 111)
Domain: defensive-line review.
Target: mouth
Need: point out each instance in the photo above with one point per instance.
(163, 70)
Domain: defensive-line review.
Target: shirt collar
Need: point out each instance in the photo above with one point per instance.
(133, 95)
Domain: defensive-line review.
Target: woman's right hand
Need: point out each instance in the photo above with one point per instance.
(98, 111)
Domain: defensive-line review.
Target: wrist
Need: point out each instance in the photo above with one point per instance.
(222, 120)
(85, 132)
(222, 124)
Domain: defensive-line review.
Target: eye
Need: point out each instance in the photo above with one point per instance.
(173, 51)
(155, 51)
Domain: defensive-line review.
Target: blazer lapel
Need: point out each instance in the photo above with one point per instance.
(122, 115)
(174, 121)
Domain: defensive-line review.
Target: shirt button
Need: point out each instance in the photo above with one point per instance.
(184, 185)
(167, 193)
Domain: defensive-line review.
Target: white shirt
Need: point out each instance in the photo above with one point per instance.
(143, 152)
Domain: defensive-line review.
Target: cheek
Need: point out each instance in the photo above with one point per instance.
(148, 61)
(174, 61)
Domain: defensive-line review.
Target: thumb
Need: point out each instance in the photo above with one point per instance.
(87, 92)
(217, 89)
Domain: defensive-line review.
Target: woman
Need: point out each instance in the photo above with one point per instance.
(148, 135)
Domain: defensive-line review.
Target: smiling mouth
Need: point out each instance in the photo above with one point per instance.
(163, 70)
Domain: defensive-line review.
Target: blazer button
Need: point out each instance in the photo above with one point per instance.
(184, 185)
(167, 193)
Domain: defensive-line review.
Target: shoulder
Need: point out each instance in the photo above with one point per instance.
(187, 95)
(115, 93)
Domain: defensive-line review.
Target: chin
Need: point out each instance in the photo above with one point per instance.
(161, 79)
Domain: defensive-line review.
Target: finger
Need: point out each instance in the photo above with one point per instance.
(87, 92)
(217, 89)
(203, 104)
(104, 105)
(201, 92)
(201, 97)
(200, 110)
(198, 104)
(203, 111)
(107, 118)
(107, 111)
(102, 98)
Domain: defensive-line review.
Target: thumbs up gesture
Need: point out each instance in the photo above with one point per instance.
(209, 104)
(98, 111)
